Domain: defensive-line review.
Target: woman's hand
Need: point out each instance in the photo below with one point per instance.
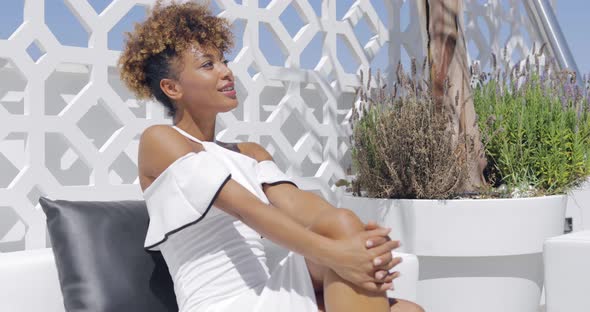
(352, 261)
(385, 262)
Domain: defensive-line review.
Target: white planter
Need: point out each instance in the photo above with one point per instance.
(578, 207)
(475, 255)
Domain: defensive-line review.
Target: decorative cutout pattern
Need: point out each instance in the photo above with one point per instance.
(491, 26)
(69, 129)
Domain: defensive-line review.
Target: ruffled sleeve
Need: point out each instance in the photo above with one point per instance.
(182, 195)
(268, 172)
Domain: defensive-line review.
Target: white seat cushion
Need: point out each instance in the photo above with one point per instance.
(29, 282)
(567, 272)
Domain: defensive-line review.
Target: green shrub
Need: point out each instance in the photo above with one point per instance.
(535, 127)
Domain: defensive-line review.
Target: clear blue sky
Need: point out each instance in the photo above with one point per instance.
(572, 15)
(573, 19)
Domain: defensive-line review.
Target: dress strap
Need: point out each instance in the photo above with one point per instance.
(186, 134)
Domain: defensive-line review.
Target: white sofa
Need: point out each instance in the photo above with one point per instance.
(29, 281)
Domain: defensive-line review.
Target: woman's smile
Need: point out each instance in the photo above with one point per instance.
(228, 90)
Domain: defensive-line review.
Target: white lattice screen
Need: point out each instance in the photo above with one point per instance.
(69, 129)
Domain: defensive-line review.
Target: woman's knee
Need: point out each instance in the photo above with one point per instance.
(337, 223)
(346, 219)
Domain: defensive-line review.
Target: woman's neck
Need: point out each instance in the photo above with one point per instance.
(203, 130)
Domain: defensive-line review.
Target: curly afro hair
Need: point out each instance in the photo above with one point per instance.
(155, 44)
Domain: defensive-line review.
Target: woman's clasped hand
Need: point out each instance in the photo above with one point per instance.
(366, 259)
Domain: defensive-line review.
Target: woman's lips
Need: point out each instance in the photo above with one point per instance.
(231, 94)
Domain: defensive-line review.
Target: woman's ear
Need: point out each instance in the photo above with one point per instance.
(171, 88)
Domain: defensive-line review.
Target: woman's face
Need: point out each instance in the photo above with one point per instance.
(206, 81)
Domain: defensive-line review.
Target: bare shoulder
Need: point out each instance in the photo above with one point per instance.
(160, 146)
(254, 150)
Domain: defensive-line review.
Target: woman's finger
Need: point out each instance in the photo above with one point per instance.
(381, 231)
(376, 241)
(385, 286)
(382, 260)
(371, 286)
(384, 248)
(376, 287)
(388, 277)
(391, 264)
(371, 225)
(381, 275)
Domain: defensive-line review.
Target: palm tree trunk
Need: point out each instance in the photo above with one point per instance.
(448, 53)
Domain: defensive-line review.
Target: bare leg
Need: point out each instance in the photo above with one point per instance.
(396, 305)
(335, 294)
(340, 295)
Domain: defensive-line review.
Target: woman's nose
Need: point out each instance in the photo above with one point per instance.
(226, 71)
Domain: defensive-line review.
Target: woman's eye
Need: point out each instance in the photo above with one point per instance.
(208, 64)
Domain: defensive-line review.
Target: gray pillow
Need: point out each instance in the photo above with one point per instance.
(101, 262)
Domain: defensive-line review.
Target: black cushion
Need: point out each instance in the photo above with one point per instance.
(101, 262)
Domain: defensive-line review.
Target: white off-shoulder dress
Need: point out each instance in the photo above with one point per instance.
(217, 262)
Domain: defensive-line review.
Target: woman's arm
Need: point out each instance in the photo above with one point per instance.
(301, 206)
(304, 207)
(350, 258)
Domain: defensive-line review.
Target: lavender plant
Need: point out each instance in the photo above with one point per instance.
(402, 146)
(535, 127)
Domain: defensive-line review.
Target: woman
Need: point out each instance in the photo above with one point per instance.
(209, 201)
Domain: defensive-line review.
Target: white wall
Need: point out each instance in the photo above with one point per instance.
(69, 129)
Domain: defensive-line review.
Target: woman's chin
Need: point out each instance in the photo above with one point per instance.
(230, 106)
(226, 109)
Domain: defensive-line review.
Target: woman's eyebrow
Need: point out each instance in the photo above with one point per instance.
(211, 56)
